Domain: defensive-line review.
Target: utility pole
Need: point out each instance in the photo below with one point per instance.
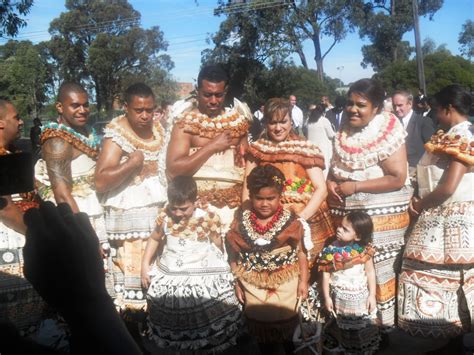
(419, 54)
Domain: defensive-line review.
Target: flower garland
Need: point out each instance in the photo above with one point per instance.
(200, 124)
(295, 150)
(265, 238)
(299, 185)
(339, 256)
(205, 227)
(339, 253)
(291, 146)
(136, 142)
(88, 145)
(375, 142)
(453, 144)
(297, 190)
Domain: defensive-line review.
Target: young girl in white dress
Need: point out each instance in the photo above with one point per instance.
(349, 284)
(191, 300)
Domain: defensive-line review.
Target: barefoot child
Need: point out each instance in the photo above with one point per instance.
(349, 283)
(268, 258)
(191, 300)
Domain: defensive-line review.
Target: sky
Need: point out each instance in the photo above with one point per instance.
(187, 24)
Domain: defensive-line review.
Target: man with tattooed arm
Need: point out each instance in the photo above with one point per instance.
(65, 174)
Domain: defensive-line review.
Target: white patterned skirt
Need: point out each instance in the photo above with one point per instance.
(194, 309)
(436, 285)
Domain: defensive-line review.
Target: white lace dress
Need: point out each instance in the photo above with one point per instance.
(131, 209)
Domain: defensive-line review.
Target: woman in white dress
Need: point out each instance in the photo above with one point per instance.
(321, 133)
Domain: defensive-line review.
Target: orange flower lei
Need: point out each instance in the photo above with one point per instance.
(301, 147)
(452, 144)
(200, 124)
(206, 227)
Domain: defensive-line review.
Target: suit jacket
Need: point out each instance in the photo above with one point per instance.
(419, 129)
(331, 116)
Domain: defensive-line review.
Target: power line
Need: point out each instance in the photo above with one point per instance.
(132, 21)
(230, 9)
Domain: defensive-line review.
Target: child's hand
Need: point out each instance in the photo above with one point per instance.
(239, 293)
(414, 208)
(371, 304)
(302, 291)
(328, 305)
(145, 277)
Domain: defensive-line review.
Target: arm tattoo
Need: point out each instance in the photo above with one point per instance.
(58, 155)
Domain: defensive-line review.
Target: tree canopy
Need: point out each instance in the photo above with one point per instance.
(466, 39)
(384, 23)
(11, 16)
(441, 69)
(272, 32)
(23, 76)
(100, 43)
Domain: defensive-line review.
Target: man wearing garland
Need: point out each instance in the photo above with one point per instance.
(130, 176)
(65, 174)
(208, 142)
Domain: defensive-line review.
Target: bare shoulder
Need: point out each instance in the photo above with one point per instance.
(110, 153)
(57, 148)
(180, 141)
(58, 155)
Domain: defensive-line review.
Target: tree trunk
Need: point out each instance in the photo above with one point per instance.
(317, 56)
(98, 95)
(300, 52)
(109, 106)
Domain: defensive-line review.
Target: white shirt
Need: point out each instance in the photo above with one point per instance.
(405, 120)
(339, 119)
(297, 116)
(258, 114)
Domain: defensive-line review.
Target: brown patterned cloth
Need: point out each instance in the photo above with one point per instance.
(293, 161)
(269, 278)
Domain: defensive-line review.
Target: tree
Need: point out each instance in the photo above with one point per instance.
(384, 23)
(466, 39)
(280, 29)
(441, 69)
(286, 80)
(101, 44)
(23, 77)
(430, 47)
(10, 14)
